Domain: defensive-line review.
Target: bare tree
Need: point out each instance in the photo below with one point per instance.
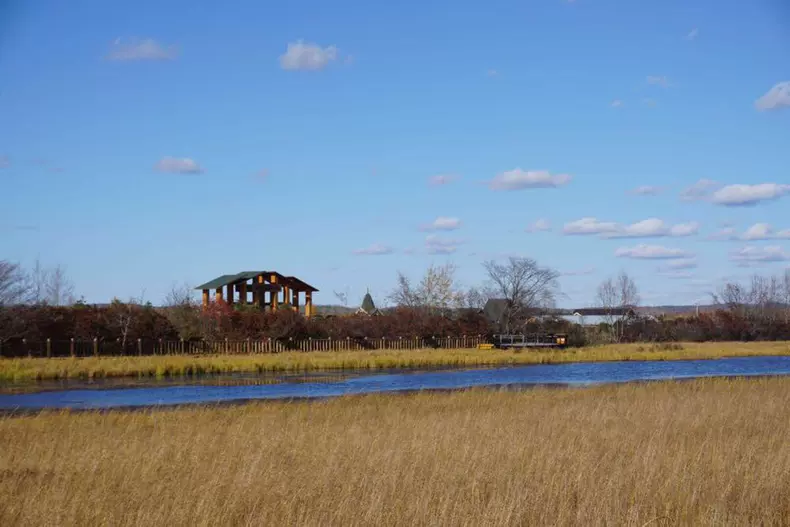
(475, 298)
(436, 291)
(59, 288)
(404, 294)
(342, 297)
(618, 296)
(523, 284)
(125, 314)
(181, 309)
(14, 285)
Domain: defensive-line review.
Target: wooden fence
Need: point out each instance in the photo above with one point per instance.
(99, 347)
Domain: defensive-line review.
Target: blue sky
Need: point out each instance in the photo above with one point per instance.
(150, 143)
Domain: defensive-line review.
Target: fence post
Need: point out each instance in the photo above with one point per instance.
(140, 347)
(95, 347)
(71, 347)
(49, 347)
(24, 343)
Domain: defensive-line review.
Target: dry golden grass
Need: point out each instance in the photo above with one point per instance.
(694, 453)
(175, 365)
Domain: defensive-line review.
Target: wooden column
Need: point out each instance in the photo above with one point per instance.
(275, 295)
(218, 294)
(230, 298)
(308, 304)
(243, 293)
(205, 298)
(295, 300)
(286, 295)
(261, 295)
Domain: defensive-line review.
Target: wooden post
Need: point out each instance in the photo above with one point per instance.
(218, 294)
(95, 347)
(295, 300)
(231, 296)
(205, 298)
(274, 294)
(139, 346)
(286, 295)
(49, 348)
(308, 304)
(243, 293)
(71, 347)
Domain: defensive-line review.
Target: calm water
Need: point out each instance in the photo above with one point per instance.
(329, 385)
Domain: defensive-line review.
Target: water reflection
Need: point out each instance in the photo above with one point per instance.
(311, 385)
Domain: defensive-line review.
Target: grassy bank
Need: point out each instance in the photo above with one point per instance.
(692, 453)
(19, 370)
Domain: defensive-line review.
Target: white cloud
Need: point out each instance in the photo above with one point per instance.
(437, 245)
(677, 275)
(540, 225)
(658, 80)
(651, 252)
(738, 195)
(692, 34)
(727, 233)
(763, 231)
(776, 98)
(589, 225)
(178, 165)
(700, 190)
(376, 249)
(518, 179)
(649, 228)
(443, 223)
(617, 103)
(5, 162)
(307, 56)
(442, 179)
(579, 272)
(750, 254)
(646, 190)
(141, 49)
(683, 263)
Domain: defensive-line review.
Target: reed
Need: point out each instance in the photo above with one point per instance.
(701, 452)
(25, 369)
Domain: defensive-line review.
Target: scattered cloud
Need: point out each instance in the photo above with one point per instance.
(589, 225)
(677, 275)
(307, 56)
(763, 231)
(518, 179)
(692, 34)
(141, 49)
(443, 223)
(777, 97)
(683, 263)
(376, 249)
(176, 165)
(617, 103)
(700, 190)
(752, 254)
(651, 252)
(540, 225)
(727, 233)
(649, 228)
(646, 190)
(741, 195)
(492, 73)
(579, 272)
(442, 179)
(658, 80)
(437, 245)
(5, 162)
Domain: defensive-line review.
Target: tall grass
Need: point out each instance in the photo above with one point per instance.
(178, 365)
(695, 453)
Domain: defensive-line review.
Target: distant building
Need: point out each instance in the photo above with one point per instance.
(368, 307)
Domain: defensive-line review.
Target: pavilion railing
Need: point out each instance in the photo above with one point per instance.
(101, 347)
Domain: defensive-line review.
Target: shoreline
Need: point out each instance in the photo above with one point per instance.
(25, 370)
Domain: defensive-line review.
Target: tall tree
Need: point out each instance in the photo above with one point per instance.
(14, 284)
(524, 285)
(617, 296)
(436, 291)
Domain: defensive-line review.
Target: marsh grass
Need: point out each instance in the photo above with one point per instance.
(25, 369)
(699, 452)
